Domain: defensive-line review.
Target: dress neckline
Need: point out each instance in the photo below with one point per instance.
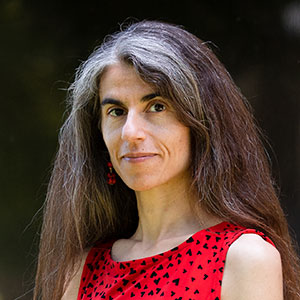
(215, 228)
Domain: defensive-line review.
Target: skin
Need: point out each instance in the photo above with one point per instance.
(257, 277)
(150, 150)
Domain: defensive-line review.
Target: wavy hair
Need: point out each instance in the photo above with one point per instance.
(230, 169)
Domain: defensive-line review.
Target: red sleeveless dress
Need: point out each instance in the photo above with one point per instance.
(191, 271)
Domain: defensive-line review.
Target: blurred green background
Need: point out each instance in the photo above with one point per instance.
(42, 42)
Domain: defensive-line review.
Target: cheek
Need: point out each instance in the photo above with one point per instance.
(183, 144)
(108, 139)
(108, 134)
(109, 142)
(179, 144)
(182, 138)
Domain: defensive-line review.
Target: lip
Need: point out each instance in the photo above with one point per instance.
(138, 156)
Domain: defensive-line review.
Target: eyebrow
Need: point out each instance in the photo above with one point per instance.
(145, 98)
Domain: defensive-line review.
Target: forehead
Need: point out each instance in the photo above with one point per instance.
(121, 78)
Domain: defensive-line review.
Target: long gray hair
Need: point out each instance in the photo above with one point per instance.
(230, 171)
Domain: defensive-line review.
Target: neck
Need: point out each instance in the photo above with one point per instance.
(166, 212)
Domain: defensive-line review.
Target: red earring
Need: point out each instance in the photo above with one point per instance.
(111, 176)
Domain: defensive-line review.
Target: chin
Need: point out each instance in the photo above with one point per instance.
(141, 184)
(139, 187)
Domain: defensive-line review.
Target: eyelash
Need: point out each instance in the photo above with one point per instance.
(110, 111)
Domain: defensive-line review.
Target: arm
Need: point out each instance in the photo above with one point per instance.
(71, 292)
(252, 271)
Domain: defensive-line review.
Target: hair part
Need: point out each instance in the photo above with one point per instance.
(230, 170)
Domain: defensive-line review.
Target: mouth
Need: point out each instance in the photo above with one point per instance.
(138, 157)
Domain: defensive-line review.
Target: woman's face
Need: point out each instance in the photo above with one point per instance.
(147, 144)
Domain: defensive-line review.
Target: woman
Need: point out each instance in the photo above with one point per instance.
(161, 187)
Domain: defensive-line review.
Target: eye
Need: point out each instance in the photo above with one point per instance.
(157, 107)
(116, 112)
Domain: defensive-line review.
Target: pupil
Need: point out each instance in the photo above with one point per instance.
(118, 112)
(159, 107)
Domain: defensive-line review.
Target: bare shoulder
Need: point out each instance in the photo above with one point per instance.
(254, 249)
(72, 289)
(252, 270)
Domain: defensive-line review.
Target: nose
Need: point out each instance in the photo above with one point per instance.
(134, 128)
